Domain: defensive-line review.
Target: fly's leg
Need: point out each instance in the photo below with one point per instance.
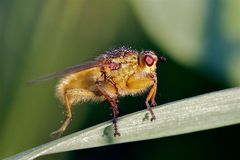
(153, 102)
(115, 86)
(113, 104)
(109, 80)
(148, 105)
(58, 133)
(151, 96)
(115, 116)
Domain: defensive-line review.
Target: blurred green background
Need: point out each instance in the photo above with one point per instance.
(200, 39)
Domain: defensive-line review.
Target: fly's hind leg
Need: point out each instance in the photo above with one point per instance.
(68, 118)
(70, 97)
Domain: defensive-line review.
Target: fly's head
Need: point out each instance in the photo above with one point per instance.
(148, 60)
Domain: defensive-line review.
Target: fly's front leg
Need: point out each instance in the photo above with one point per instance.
(113, 103)
(151, 96)
(153, 102)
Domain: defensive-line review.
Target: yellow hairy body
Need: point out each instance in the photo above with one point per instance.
(130, 79)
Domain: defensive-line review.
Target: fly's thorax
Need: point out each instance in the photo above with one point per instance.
(122, 74)
(121, 67)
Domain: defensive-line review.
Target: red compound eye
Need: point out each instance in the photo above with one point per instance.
(149, 60)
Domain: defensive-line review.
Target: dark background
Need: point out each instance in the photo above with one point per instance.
(200, 40)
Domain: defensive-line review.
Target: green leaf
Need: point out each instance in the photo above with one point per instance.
(212, 110)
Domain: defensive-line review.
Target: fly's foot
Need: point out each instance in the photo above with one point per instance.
(154, 104)
(150, 110)
(116, 133)
(153, 118)
(56, 134)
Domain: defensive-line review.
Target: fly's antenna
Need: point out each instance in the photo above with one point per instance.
(162, 59)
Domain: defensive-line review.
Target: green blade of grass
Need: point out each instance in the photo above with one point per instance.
(202, 112)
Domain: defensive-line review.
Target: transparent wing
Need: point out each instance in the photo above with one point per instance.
(67, 71)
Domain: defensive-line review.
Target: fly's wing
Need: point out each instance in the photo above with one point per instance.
(67, 71)
(121, 56)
